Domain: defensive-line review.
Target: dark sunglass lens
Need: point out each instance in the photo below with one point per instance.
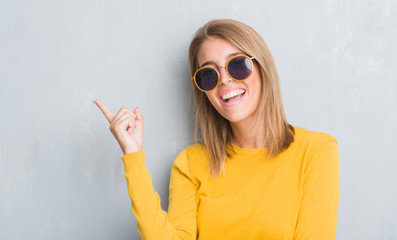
(240, 68)
(206, 79)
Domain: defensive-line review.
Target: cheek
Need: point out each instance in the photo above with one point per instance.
(257, 88)
(211, 97)
(258, 81)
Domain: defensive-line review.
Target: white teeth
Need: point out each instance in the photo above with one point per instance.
(232, 94)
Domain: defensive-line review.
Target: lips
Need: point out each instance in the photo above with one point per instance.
(232, 97)
(232, 94)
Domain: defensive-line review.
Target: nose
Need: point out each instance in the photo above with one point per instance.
(224, 77)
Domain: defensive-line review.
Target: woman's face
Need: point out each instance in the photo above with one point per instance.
(240, 108)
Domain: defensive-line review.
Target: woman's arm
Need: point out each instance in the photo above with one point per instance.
(153, 222)
(319, 209)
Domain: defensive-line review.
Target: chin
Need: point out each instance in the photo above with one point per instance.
(234, 118)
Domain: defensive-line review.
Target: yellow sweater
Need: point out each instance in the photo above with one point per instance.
(292, 196)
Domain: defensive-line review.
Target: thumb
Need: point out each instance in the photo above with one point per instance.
(139, 117)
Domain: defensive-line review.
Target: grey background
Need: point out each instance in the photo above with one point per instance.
(61, 176)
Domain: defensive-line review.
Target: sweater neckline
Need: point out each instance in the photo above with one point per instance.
(247, 151)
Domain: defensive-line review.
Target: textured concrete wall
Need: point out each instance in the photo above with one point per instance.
(61, 176)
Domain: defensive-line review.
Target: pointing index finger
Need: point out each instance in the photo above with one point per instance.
(109, 116)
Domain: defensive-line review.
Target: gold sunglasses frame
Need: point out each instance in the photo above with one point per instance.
(227, 70)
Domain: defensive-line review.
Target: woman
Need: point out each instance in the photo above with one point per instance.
(253, 176)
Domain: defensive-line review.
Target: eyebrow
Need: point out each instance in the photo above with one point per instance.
(227, 57)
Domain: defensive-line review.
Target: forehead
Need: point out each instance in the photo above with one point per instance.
(216, 50)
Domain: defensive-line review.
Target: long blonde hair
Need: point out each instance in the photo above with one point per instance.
(214, 131)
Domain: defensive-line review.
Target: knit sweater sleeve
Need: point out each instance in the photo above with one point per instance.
(319, 207)
(152, 221)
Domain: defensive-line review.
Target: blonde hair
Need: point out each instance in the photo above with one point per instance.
(214, 131)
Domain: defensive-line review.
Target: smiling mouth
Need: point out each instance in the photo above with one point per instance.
(233, 96)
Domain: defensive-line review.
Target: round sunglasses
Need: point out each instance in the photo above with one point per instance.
(238, 68)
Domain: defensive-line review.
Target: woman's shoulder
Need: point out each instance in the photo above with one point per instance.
(304, 135)
(317, 149)
(304, 138)
(194, 158)
(193, 152)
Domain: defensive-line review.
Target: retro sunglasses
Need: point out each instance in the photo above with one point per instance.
(238, 68)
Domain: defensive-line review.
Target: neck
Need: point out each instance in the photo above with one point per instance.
(247, 135)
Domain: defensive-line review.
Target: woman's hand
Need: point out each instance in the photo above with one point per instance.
(126, 127)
